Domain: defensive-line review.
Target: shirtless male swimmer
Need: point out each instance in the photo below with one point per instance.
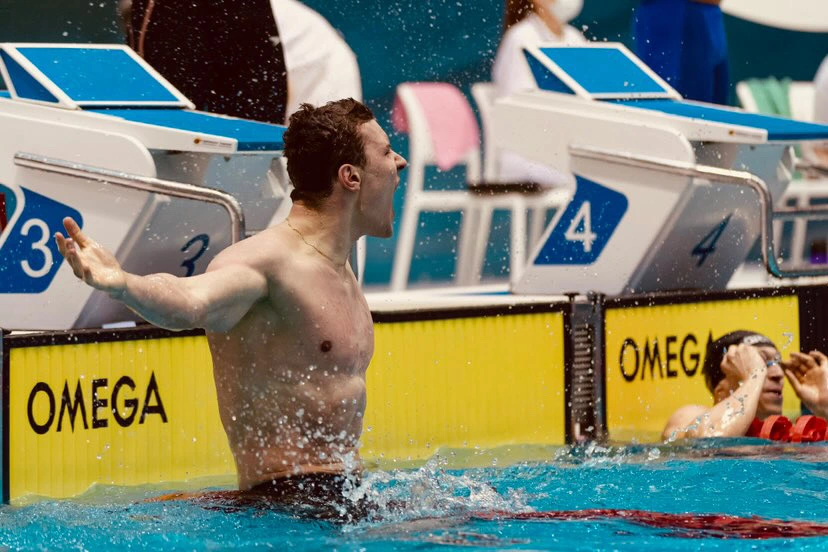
(289, 329)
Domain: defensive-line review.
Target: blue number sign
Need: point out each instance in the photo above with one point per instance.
(29, 258)
(585, 226)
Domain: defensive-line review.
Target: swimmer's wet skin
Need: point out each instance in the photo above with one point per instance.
(290, 332)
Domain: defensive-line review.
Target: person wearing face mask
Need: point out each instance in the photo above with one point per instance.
(530, 23)
(684, 42)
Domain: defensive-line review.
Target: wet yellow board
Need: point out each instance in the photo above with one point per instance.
(474, 383)
(120, 412)
(135, 411)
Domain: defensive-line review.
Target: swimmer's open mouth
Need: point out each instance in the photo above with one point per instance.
(773, 392)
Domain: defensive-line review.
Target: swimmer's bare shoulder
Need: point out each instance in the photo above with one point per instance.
(266, 262)
(684, 423)
(237, 279)
(267, 253)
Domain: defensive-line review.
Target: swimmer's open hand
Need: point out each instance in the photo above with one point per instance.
(808, 374)
(90, 261)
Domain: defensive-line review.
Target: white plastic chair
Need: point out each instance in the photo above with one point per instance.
(417, 198)
(540, 202)
(473, 236)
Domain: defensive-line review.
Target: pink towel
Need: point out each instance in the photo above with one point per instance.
(451, 122)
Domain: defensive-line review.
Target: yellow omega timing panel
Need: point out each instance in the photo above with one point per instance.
(123, 408)
(654, 356)
(137, 406)
(472, 381)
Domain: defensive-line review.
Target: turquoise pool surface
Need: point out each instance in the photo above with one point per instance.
(663, 493)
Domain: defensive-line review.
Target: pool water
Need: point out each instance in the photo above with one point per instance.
(489, 507)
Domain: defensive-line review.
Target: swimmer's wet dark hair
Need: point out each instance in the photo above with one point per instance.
(716, 350)
(318, 141)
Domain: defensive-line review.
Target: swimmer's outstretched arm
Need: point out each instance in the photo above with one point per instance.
(731, 417)
(808, 375)
(216, 300)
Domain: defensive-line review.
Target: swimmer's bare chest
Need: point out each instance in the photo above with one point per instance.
(313, 330)
(291, 375)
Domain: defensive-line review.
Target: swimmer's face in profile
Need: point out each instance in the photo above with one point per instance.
(380, 179)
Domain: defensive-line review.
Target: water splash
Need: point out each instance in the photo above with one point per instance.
(432, 491)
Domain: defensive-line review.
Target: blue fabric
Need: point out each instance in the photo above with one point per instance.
(251, 136)
(603, 71)
(98, 75)
(684, 42)
(25, 86)
(779, 128)
(5, 94)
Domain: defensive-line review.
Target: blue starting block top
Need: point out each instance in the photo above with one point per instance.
(609, 72)
(113, 80)
(250, 135)
(779, 129)
(75, 76)
(596, 72)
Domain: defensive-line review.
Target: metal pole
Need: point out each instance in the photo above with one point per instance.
(136, 182)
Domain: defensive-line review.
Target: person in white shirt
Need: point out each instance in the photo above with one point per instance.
(317, 63)
(530, 23)
(321, 67)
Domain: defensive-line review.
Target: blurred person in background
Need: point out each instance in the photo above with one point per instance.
(530, 23)
(256, 59)
(321, 67)
(684, 42)
(225, 56)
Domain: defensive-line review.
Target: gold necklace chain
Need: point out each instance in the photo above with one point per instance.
(309, 244)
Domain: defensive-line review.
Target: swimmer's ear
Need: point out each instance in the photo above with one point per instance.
(350, 177)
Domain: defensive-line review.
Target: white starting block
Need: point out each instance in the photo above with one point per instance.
(671, 194)
(94, 133)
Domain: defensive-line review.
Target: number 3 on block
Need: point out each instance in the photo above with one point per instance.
(29, 259)
(40, 245)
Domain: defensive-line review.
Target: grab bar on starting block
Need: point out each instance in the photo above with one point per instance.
(724, 176)
(136, 182)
